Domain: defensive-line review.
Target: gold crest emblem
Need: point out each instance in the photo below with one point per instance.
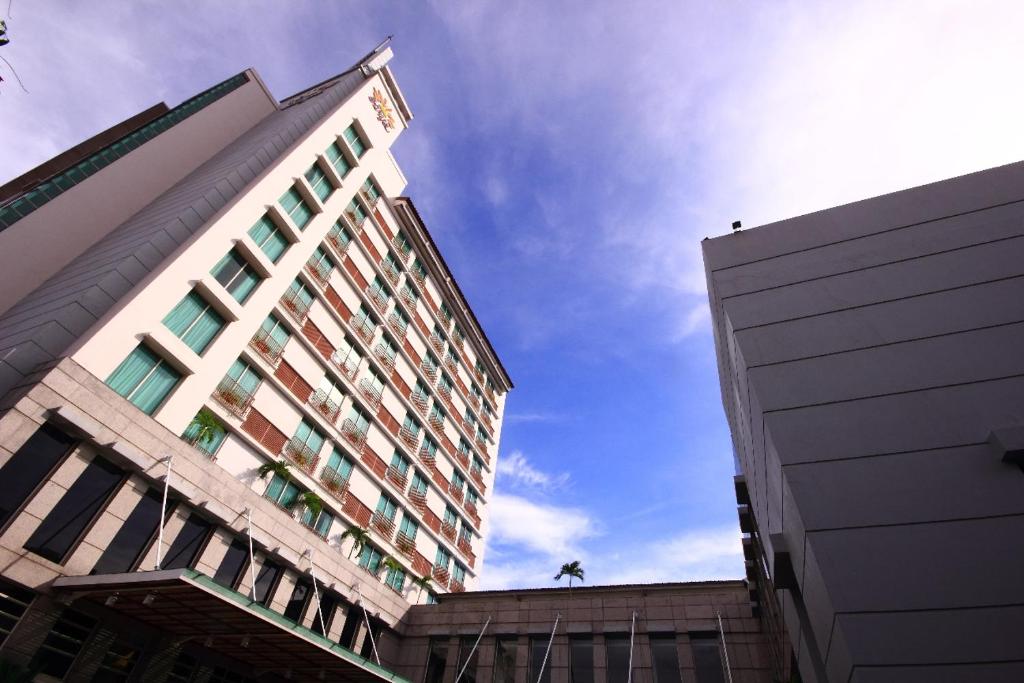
(385, 114)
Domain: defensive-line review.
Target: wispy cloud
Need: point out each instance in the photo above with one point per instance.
(533, 417)
(697, 554)
(515, 470)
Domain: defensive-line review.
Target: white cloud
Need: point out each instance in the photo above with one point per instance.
(692, 555)
(532, 417)
(516, 470)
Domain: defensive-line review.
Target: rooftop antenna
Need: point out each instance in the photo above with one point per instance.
(736, 226)
(381, 45)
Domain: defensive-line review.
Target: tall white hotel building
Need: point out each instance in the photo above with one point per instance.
(199, 296)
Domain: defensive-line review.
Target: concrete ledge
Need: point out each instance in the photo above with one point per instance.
(75, 421)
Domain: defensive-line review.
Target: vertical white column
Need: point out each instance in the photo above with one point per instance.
(163, 515)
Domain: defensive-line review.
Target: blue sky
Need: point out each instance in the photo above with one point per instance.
(568, 158)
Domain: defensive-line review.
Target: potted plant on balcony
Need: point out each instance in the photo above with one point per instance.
(261, 344)
(203, 428)
(359, 536)
(277, 467)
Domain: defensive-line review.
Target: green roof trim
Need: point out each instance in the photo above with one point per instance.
(205, 582)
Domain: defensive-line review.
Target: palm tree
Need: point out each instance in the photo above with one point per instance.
(571, 569)
(422, 583)
(391, 563)
(311, 502)
(359, 536)
(278, 467)
(203, 428)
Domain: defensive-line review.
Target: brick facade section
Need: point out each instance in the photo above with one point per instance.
(317, 339)
(259, 428)
(334, 299)
(388, 420)
(352, 270)
(421, 565)
(383, 226)
(290, 378)
(412, 353)
(368, 243)
(374, 462)
(432, 521)
(355, 509)
(400, 384)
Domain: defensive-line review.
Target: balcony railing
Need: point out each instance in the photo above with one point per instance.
(486, 419)
(445, 393)
(448, 530)
(325, 406)
(403, 248)
(479, 375)
(340, 246)
(409, 436)
(406, 544)
(490, 395)
(474, 401)
(418, 499)
(319, 271)
(463, 459)
(456, 587)
(377, 298)
(409, 298)
(481, 444)
(353, 434)
(440, 575)
(477, 476)
(419, 401)
(389, 270)
(419, 277)
(304, 457)
(458, 342)
(335, 483)
(429, 370)
(362, 327)
(348, 365)
(397, 476)
(382, 524)
(451, 364)
(355, 220)
(296, 307)
(437, 342)
(385, 355)
(427, 458)
(370, 391)
(233, 396)
(464, 545)
(268, 347)
(397, 325)
(456, 492)
(436, 421)
(471, 508)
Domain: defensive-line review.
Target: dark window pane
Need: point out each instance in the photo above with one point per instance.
(617, 648)
(72, 515)
(134, 536)
(236, 559)
(266, 582)
(30, 466)
(328, 605)
(368, 644)
(301, 595)
(14, 600)
(351, 627)
(190, 540)
(118, 662)
(229, 267)
(706, 657)
(666, 659)
(581, 659)
(468, 657)
(63, 643)
(505, 659)
(538, 656)
(437, 660)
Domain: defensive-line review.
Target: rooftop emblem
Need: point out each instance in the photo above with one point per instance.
(385, 114)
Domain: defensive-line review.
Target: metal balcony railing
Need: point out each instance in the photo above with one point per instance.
(456, 587)
(463, 459)
(474, 401)
(456, 492)
(323, 404)
(385, 355)
(409, 437)
(478, 373)
(427, 458)
(419, 277)
(451, 364)
(382, 524)
(355, 220)
(409, 298)
(406, 544)
(436, 421)
(304, 457)
(440, 575)
(268, 347)
(448, 530)
(340, 245)
(397, 325)
(471, 508)
(403, 247)
(377, 298)
(389, 270)
(477, 476)
(296, 307)
(429, 370)
(458, 342)
(437, 342)
(362, 327)
(311, 525)
(464, 546)
(419, 401)
(371, 392)
(233, 396)
(397, 477)
(334, 482)
(319, 271)
(353, 434)
(348, 365)
(418, 499)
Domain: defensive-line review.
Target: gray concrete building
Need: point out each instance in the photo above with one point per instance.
(872, 373)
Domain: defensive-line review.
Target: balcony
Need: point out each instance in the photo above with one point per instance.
(437, 342)
(481, 444)
(325, 406)
(385, 355)
(362, 327)
(456, 587)
(296, 307)
(448, 530)
(418, 499)
(445, 393)
(486, 419)
(419, 277)
(340, 246)
(311, 525)
(397, 477)
(451, 364)
(458, 342)
(419, 401)
(464, 546)
(356, 221)
(474, 401)
(234, 397)
(479, 374)
(390, 272)
(406, 544)
(437, 421)
(267, 347)
(490, 395)
(377, 298)
(348, 365)
(397, 325)
(456, 492)
(440, 575)
(409, 298)
(318, 271)
(427, 458)
(371, 392)
(304, 457)
(354, 435)
(409, 437)
(403, 248)
(335, 483)
(381, 523)
(429, 370)
(471, 508)
(463, 459)
(477, 476)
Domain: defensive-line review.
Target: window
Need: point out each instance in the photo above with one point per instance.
(450, 517)
(581, 659)
(452, 356)
(410, 295)
(67, 521)
(63, 643)
(144, 378)
(446, 313)
(458, 334)
(665, 658)
(431, 598)
(320, 523)
(707, 658)
(458, 481)
(464, 447)
(321, 265)
(395, 579)
(339, 237)
(194, 322)
(481, 435)
(211, 443)
(411, 425)
(478, 464)
(379, 290)
(437, 415)
(402, 242)
(540, 667)
(235, 561)
(617, 651)
(370, 559)
(30, 466)
(269, 238)
(266, 582)
(322, 187)
(430, 364)
(459, 573)
(237, 275)
(119, 660)
(386, 507)
(328, 605)
(388, 349)
(421, 392)
(399, 462)
(444, 385)
(328, 398)
(465, 532)
(419, 271)
(390, 264)
(356, 212)
(299, 600)
(338, 160)
(429, 447)
(14, 601)
(298, 298)
(469, 417)
(471, 495)
(359, 419)
(409, 527)
(240, 383)
(475, 391)
(437, 660)
(189, 542)
(371, 189)
(296, 207)
(347, 356)
(351, 627)
(274, 336)
(282, 491)
(134, 537)
(443, 558)
(355, 141)
(339, 468)
(307, 439)
(419, 484)
(505, 659)
(469, 654)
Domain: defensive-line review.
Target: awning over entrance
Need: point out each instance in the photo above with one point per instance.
(188, 605)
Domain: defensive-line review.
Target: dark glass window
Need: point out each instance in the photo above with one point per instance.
(538, 655)
(63, 643)
(188, 544)
(617, 649)
(134, 536)
(505, 659)
(184, 669)
(706, 657)
(348, 631)
(581, 659)
(30, 466)
(71, 516)
(14, 600)
(665, 658)
(266, 582)
(118, 663)
(468, 658)
(376, 626)
(301, 595)
(437, 660)
(235, 561)
(328, 605)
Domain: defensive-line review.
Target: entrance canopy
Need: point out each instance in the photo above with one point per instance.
(188, 605)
